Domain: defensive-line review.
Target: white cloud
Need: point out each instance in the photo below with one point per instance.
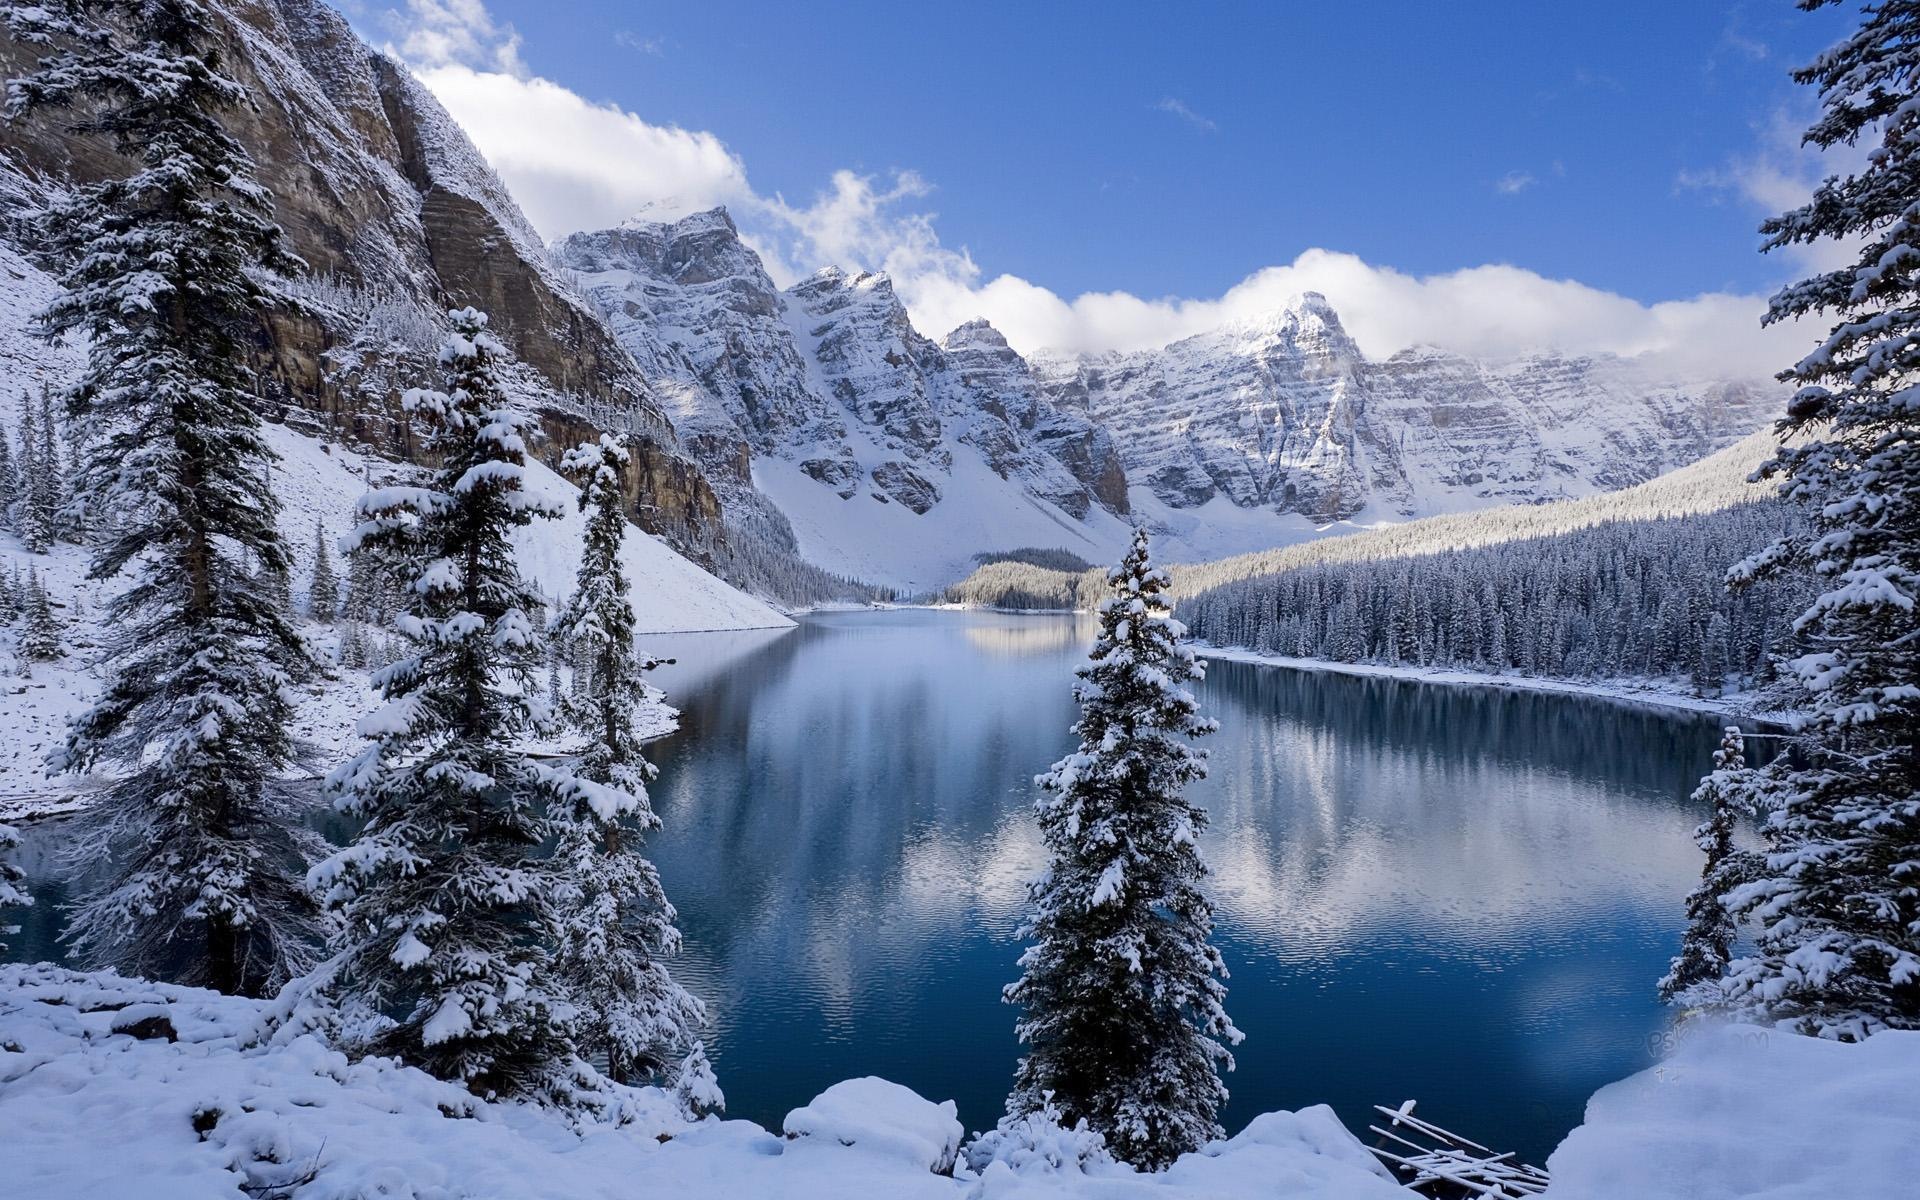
(657, 47)
(1513, 183)
(1179, 108)
(1490, 310)
(573, 164)
(437, 33)
(577, 164)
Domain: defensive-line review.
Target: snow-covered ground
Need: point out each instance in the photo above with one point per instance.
(670, 594)
(98, 1102)
(1742, 1112)
(1658, 693)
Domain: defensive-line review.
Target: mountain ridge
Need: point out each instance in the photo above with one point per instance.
(1269, 429)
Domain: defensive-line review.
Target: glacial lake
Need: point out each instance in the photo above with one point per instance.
(1456, 895)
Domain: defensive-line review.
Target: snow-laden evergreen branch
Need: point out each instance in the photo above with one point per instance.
(1837, 898)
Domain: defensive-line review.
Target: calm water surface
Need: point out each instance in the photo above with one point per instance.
(1457, 895)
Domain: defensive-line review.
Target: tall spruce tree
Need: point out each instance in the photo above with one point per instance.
(450, 903)
(1707, 946)
(323, 594)
(166, 278)
(41, 633)
(618, 925)
(31, 519)
(1123, 1002)
(1838, 952)
(49, 485)
(9, 479)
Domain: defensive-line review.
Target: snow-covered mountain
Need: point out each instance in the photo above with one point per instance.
(817, 423)
(823, 411)
(1285, 413)
(892, 457)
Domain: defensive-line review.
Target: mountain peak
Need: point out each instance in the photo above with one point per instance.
(1314, 303)
(1306, 318)
(658, 214)
(977, 333)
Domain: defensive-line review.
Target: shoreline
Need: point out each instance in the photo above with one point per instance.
(1644, 693)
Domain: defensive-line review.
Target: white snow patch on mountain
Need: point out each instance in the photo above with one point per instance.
(870, 537)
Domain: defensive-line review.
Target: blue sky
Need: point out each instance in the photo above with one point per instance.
(1160, 151)
(1382, 129)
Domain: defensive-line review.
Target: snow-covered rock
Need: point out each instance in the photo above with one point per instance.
(882, 1118)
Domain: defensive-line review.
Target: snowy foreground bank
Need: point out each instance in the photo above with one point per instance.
(112, 1087)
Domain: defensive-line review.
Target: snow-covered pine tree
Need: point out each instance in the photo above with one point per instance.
(353, 646)
(1122, 994)
(1838, 952)
(49, 484)
(9, 479)
(556, 697)
(165, 279)
(277, 586)
(323, 594)
(449, 902)
(695, 1087)
(618, 925)
(13, 884)
(42, 637)
(29, 518)
(1727, 791)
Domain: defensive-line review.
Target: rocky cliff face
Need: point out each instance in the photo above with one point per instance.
(399, 218)
(1285, 413)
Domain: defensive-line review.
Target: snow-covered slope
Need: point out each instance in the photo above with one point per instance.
(315, 480)
(1284, 413)
(866, 537)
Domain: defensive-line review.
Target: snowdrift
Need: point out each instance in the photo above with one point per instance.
(116, 1087)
